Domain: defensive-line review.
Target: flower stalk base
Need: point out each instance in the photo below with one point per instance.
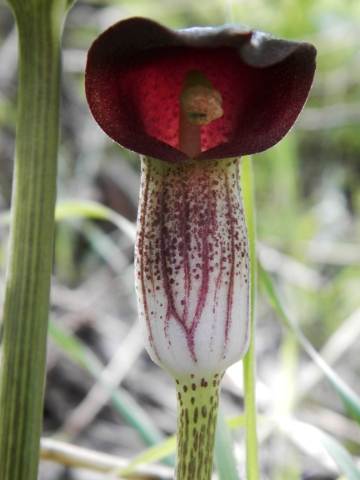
(198, 400)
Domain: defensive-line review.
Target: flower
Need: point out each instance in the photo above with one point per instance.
(136, 69)
(192, 102)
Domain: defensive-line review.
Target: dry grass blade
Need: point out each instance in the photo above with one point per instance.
(113, 374)
(339, 343)
(78, 457)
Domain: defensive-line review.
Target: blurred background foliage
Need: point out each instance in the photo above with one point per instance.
(308, 212)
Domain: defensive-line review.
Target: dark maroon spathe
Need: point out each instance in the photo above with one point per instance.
(135, 72)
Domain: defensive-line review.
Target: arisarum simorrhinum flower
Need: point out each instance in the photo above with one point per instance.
(192, 102)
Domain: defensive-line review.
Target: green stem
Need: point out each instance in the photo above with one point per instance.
(31, 239)
(249, 363)
(198, 400)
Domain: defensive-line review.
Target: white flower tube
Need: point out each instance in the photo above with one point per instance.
(192, 266)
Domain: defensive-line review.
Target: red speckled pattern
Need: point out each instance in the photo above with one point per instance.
(136, 69)
(155, 80)
(192, 265)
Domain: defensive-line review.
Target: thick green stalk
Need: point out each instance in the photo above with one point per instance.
(198, 400)
(31, 239)
(249, 367)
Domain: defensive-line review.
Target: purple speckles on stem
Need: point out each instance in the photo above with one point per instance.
(191, 258)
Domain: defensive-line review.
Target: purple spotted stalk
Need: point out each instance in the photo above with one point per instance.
(192, 102)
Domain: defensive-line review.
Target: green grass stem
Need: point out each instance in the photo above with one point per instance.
(31, 238)
(249, 366)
